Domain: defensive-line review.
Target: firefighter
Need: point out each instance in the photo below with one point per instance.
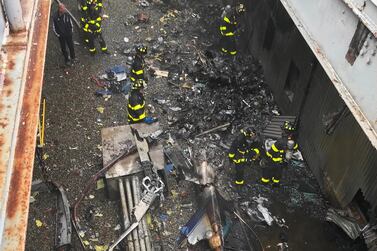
(93, 30)
(86, 5)
(138, 64)
(136, 105)
(279, 155)
(227, 30)
(96, 4)
(244, 150)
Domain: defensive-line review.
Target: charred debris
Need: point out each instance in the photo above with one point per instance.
(205, 100)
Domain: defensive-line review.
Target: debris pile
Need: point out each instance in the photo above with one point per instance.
(201, 97)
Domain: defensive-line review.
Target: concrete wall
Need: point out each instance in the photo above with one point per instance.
(343, 161)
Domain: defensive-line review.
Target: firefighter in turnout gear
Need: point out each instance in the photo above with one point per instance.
(279, 155)
(227, 29)
(244, 150)
(86, 6)
(136, 106)
(138, 64)
(92, 26)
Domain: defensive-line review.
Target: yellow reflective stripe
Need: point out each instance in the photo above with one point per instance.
(84, 7)
(239, 182)
(237, 161)
(256, 150)
(99, 19)
(278, 159)
(222, 28)
(99, 30)
(142, 116)
(91, 22)
(233, 52)
(295, 147)
(229, 34)
(231, 155)
(224, 50)
(264, 180)
(275, 180)
(92, 50)
(104, 48)
(242, 152)
(226, 19)
(99, 4)
(136, 107)
(139, 72)
(274, 148)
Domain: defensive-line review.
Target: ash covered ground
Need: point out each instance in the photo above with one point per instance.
(203, 90)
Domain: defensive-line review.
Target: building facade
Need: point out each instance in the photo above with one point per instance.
(319, 61)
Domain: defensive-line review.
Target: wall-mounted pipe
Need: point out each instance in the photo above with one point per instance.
(13, 12)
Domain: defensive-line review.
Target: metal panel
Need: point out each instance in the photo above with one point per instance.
(366, 10)
(329, 38)
(23, 64)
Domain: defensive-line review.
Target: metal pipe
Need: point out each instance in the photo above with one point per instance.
(144, 220)
(136, 195)
(126, 219)
(13, 12)
(130, 208)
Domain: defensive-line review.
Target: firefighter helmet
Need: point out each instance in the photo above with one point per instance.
(138, 84)
(249, 132)
(288, 126)
(142, 49)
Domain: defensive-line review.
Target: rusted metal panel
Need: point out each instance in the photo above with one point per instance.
(23, 64)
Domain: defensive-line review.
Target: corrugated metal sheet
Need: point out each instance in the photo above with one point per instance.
(344, 161)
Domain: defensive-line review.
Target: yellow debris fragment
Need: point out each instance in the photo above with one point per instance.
(38, 223)
(100, 109)
(45, 156)
(101, 248)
